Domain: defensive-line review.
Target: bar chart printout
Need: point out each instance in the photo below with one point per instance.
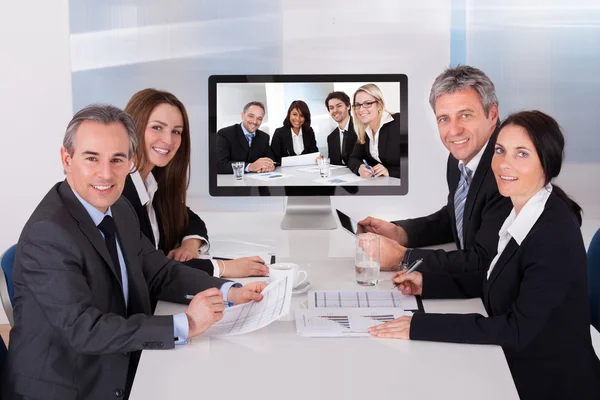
(362, 299)
(321, 322)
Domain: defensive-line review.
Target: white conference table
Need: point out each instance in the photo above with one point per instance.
(275, 363)
(301, 178)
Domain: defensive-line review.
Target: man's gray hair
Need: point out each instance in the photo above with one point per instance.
(104, 114)
(254, 103)
(464, 77)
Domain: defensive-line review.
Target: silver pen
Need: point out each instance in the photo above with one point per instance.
(412, 268)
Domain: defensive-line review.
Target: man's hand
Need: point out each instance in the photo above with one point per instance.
(187, 250)
(390, 254)
(243, 267)
(411, 284)
(246, 293)
(205, 309)
(264, 164)
(364, 172)
(384, 228)
(396, 329)
(380, 170)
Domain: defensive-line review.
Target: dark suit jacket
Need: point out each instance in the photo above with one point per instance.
(390, 149)
(233, 146)
(537, 302)
(337, 155)
(195, 225)
(73, 337)
(283, 146)
(484, 206)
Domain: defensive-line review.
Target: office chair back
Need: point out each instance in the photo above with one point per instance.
(594, 279)
(6, 283)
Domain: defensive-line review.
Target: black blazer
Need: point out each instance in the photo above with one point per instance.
(233, 146)
(195, 225)
(484, 207)
(283, 146)
(74, 337)
(337, 155)
(537, 302)
(390, 149)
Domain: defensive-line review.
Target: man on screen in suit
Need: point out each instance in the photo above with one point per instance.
(466, 109)
(342, 139)
(84, 274)
(245, 142)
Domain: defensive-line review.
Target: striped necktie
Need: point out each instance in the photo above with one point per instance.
(460, 198)
(249, 137)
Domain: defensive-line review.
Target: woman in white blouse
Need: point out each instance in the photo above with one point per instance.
(535, 290)
(157, 187)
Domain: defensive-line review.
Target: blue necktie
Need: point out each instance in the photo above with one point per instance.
(249, 137)
(460, 198)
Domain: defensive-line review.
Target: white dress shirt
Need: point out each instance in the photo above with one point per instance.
(474, 163)
(146, 191)
(374, 142)
(297, 141)
(517, 226)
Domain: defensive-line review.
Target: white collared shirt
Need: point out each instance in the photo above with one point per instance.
(386, 117)
(517, 226)
(342, 134)
(146, 191)
(297, 141)
(474, 163)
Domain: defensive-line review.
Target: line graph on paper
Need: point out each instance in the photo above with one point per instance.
(251, 316)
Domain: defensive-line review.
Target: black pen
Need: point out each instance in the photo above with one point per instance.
(413, 267)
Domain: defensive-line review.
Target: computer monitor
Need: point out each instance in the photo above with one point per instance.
(299, 177)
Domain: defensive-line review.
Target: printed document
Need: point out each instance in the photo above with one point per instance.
(362, 299)
(304, 159)
(321, 322)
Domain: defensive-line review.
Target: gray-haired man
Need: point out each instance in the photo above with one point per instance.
(466, 109)
(84, 274)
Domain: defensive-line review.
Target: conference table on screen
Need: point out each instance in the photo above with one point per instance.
(274, 362)
(295, 177)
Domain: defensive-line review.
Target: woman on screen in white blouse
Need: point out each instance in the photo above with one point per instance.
(535, 290)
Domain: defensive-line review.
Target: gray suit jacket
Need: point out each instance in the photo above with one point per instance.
(74, 338)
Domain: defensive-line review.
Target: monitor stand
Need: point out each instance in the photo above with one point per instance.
(308, 213)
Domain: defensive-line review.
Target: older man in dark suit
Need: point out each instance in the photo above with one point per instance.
(84, 274)
(245, 142)
(466, 109)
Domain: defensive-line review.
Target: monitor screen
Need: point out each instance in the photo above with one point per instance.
(308, 135)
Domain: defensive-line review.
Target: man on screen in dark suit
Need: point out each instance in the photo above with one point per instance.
(466, 109)
(245, 142)
(84, 274)
(342, 139)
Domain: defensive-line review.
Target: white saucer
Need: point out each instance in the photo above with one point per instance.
(302, 288)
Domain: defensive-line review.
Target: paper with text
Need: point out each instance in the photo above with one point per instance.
(252, 316)
(320, 322)
(364, 299)
(303, 159)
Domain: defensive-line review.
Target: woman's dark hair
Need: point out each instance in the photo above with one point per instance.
(173, 179)
(549, 142)
(303, 108)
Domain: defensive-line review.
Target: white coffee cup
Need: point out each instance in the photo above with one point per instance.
(279, 270)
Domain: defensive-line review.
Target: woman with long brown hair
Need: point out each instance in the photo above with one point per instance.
(158, 184)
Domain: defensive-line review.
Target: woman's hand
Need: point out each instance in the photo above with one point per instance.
(243, 267)
(396, 329)
(364, 172)
(187, 250)
(380, 170)
(409, 284)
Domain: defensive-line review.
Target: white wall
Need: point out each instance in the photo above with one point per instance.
(35, 104)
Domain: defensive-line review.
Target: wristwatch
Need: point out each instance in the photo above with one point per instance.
(406, 259)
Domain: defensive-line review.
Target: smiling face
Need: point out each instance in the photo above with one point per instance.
(366, 107)
(97, 168)
(517, 166)
(296, 119)
(253, 118)
(338, 110)
(464, 128)
(162, 136)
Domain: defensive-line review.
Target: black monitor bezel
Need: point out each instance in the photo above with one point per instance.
(220, 191)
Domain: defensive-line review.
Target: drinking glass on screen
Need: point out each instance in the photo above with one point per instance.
(238, 169)
(323, 164)
(366, 259)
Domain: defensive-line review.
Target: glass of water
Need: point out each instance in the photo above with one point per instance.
(323, 164)
(238, 169)
(366, 259)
